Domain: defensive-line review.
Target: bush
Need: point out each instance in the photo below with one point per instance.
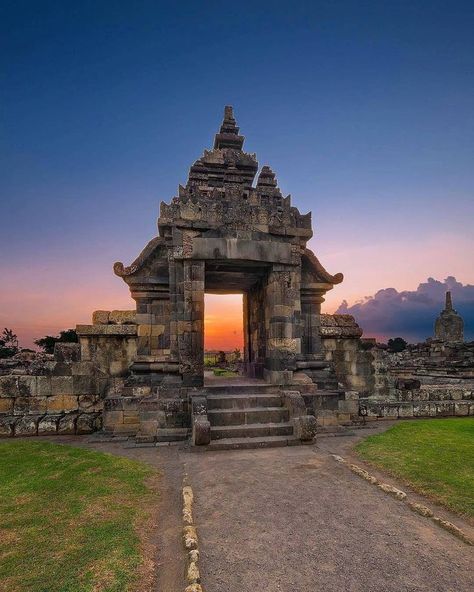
(47, 343)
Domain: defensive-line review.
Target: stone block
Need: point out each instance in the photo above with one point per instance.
(38, 405)
(100, 317)
(27, 386)
(123, 317)
(444, 409)
(405, 410)
(43, 386)
(112, 419)
(374, 409)
(67, 424)
(21, 405)
(26, 426)
(351, 407)
(148, 427)
(83, 368)
(305, 427)
(9, 386)
(87, 423)
(6, 425)
(62, 385)
(67, 352)
(294, 402)
(141, 391)
(461, 408)
(6, 405)
(457, 394)
(62, 403)
(83, 385)
(62, 369)
(201, 435)
(90, 402)
(421, 409)
(48, 425)
(390, 411)
(130, 417)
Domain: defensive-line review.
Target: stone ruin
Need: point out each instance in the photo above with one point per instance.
(449, 326)
(228, 230)
(430, 379)
(140, 373)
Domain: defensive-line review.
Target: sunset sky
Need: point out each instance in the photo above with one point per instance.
(363, 109)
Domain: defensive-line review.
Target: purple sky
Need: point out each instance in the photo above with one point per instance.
(364, 110)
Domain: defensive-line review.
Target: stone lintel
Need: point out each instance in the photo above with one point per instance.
(240, 249)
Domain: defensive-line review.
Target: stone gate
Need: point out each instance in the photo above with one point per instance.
(225, 233)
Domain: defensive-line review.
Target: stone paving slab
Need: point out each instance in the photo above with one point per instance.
(294, 520)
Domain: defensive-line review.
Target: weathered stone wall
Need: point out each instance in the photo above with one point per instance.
(110, 349)
(341, 346)
(64, 393)
(431, 379)
(66, 398)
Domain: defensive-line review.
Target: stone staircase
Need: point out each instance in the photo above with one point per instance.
(251, 416)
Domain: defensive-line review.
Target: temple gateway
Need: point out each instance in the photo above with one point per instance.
(229, 230)
(139, 374)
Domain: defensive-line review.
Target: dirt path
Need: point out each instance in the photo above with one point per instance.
(294, 520)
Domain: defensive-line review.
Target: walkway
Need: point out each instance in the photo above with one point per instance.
(295, 520)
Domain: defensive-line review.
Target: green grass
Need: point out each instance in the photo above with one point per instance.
(224, 373)
(434, 456)
(71, 519)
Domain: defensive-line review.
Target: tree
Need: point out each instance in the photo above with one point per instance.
(8, 344)
(396, 345)
(237, 355)
(47, 343)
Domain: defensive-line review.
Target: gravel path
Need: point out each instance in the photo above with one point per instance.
(294, 520)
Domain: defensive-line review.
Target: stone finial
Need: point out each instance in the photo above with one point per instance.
(228, 136)
(449, 302)
(449, 326)
(266, 178)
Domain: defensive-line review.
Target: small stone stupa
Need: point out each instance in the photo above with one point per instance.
(449, 326)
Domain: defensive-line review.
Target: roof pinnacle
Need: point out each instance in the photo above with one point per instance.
(228, 136)
(449, 301)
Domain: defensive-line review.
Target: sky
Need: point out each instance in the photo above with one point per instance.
(363, 109)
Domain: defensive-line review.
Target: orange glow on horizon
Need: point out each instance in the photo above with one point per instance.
(223, 322)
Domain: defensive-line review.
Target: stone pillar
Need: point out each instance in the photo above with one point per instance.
(311, 320)
(190, 322)
(254, 329)
(282, 323)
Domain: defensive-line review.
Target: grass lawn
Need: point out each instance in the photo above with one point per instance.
(434, 456)
(73, 519)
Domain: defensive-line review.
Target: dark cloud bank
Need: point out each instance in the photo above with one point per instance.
(411, 315)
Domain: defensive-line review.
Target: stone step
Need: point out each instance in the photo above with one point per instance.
(242, 389)
(249, 415)
(313, 364)
(243, 401)
(248, 443)
(254, 430)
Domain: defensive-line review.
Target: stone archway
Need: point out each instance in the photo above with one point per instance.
(223, 232)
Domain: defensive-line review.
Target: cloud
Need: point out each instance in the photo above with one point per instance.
(411, 314)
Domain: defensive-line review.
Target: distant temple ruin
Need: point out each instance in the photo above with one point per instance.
(449, 326)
